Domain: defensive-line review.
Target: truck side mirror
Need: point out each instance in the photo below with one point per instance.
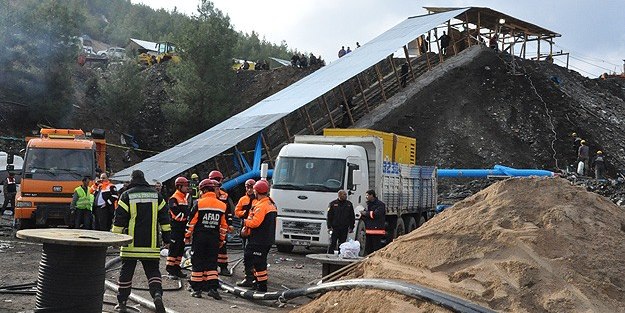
(357, 179)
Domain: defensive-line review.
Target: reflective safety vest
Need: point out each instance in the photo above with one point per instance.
(85, 199)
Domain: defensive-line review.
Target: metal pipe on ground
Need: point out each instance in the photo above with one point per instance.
(497, 170)
(138, 299)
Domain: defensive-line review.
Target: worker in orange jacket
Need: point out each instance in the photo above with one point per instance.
(178, 213)
(207, 231)
(260, 227)
(242, 211)
(222, 257)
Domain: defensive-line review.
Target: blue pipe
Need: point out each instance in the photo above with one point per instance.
(230, 184)
(497, 170)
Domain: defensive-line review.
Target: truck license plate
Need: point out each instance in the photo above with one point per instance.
(300, 243)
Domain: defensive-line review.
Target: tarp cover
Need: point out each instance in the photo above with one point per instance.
(230, 132)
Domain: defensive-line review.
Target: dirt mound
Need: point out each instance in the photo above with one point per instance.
(520, 245)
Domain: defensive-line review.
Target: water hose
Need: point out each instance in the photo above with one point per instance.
(411, 290)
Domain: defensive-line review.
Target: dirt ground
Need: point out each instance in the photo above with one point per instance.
(20, 262)
(520, 245)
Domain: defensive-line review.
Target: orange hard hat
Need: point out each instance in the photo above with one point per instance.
(181, 181)
(208, 183)
(216, 175)
(261, 186)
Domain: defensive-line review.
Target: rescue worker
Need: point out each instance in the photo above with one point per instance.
(178, 213)
(599, 165)
(10, 191)
(105, 197)
(340, 220)
(141, 210)
(583, 155)
(207, 232)
(222, 195)
(242, 211)
(576, 143)
(373, 217)
(193, 186)
(81, 205)
(260, 227)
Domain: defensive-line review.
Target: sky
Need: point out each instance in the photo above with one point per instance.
(593, 31)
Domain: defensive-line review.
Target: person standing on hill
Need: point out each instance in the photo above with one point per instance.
(599, 164)
(373, 217)
(342, 52)
(583, 155)
(340, 220)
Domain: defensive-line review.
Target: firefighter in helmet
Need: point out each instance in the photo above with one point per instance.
(206, 231)
(178, 213)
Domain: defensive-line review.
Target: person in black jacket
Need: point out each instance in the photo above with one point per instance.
(374, 217)
(140, 211)
(340, 220)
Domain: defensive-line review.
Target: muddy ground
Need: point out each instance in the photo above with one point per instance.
(20, 263)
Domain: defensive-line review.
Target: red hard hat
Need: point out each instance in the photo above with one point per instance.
(215, 174)
(261, 186)
(250, 183)
(181, 181)
(209, 183)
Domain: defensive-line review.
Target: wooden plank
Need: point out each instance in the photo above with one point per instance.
(286, 129)
(538, 54)
(267, 149)
(407, 55)
(377, 71)
(362, 92)
(310, 124)
(328, 109)
(438, 46)
(349, 110)
(390, 59)
(216, 164)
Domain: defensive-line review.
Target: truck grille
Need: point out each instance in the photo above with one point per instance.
(308, 228)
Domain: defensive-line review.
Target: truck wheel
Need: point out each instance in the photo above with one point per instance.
(421, 221)
(285, 248)
(361, 236)
(400, 229)
(411, 223)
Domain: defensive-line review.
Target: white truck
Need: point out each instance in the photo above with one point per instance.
(309, 173)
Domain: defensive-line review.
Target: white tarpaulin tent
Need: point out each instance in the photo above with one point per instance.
(230, 132)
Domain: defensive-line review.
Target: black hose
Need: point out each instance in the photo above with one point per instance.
(411, 290)
(70, 279)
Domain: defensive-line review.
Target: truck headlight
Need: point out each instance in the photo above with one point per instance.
(24, 204)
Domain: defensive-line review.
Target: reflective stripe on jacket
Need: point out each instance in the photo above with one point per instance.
(141, 209)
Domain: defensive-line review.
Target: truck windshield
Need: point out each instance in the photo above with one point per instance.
(309, 174)
(59, 164)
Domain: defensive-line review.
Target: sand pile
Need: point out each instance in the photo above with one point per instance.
(521, 245)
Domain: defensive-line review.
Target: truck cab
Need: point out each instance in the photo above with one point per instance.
(54, 164)
(307, 177)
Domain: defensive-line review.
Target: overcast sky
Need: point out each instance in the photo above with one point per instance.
(592, 31)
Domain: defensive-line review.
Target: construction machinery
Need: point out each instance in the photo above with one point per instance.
(164, 51)
(54, 165)
(309, 173)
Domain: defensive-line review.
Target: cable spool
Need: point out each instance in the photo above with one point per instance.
(71, 271)
(71, 279)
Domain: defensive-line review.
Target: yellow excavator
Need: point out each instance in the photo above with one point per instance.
(165, 51)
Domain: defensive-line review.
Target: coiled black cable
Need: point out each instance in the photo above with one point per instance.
(71, 279)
